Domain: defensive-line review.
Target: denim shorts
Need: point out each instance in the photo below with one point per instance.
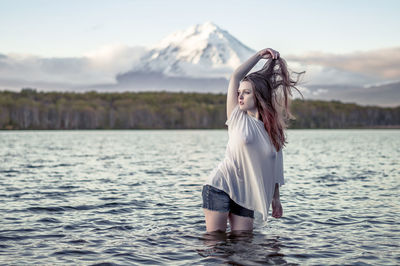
(217, 200)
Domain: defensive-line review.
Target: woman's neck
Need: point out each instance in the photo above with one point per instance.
(254, 113)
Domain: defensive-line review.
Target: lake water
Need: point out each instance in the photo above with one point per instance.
(134, 197)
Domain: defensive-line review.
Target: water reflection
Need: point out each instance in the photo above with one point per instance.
(241, 248)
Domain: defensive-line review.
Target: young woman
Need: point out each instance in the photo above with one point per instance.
(249, 177)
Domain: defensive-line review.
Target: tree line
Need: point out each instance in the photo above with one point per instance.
(30, 109)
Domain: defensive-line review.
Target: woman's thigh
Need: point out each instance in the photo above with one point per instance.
(240, 223)
(215, 221)
(240, 218)
(216, 206)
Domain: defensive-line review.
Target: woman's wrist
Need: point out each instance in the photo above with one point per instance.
(259, 55)
(276, 192)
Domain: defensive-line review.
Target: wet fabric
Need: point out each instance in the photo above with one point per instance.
(251, 166)
(215, 199)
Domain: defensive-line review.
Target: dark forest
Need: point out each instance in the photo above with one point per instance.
(30, 109)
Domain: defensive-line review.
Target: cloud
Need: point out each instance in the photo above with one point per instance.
(114, 59)
(99, 66)
(354, 68)
(319, 92)
(383, 95)
(384, 83)
(156, 81)
(351, 77)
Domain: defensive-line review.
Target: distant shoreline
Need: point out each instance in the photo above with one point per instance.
(32, 110)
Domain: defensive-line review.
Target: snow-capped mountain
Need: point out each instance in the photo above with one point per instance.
(203, 50)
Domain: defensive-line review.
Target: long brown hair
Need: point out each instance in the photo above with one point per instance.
(272, 90)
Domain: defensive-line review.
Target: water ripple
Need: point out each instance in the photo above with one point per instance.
(134, 197)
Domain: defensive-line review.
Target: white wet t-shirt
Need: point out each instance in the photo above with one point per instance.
(251, 166)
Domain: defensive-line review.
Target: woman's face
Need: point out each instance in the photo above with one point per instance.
(246, 96)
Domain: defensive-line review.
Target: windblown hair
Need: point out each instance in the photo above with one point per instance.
(272, 87)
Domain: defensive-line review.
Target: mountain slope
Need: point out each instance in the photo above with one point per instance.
(203, 50)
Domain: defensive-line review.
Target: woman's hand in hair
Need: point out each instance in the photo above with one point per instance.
(269, 53)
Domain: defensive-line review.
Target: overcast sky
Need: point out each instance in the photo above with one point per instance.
(74, 28)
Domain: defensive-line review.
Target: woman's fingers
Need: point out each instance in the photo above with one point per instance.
(274, 54)
(277, 210)
(277, 213)
(266, 54)
(269, 53)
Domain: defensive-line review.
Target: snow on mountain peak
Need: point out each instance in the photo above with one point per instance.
(199, 31)
(202, 50)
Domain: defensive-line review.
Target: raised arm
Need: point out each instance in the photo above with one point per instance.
(241, 72)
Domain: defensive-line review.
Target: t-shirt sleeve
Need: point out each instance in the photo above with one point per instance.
(234, 116)
(279, 169)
